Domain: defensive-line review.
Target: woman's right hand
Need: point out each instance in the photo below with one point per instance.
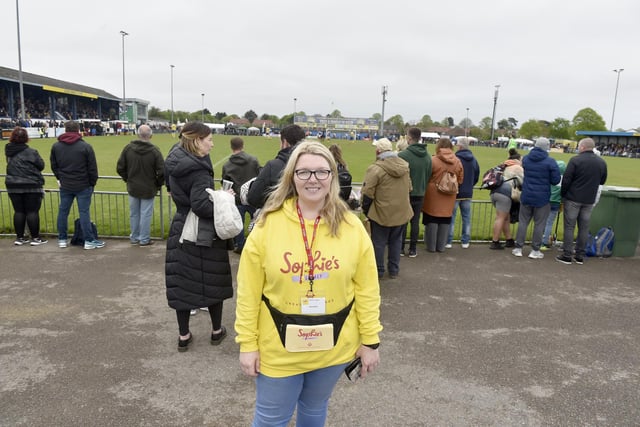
(250, 363)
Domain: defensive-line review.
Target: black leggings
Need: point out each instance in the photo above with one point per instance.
(215, 312)
(26, 207)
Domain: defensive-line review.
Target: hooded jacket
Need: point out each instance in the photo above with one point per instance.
(419, 167)
(386, 189)
(471, 173)
(141, 166)
(196, 275)
(540, 173)
(73, 162)
(24, 169)
(268, 178)
(240, 168)
(555, 189)
(436, 203)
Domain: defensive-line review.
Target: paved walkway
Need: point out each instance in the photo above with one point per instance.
(472, 338)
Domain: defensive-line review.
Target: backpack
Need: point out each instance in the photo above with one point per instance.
(448, 183)
(600, 245)
(344, 178)
(78, 237)
(493, 178)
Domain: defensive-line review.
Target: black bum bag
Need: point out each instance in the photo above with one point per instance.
(283, 319)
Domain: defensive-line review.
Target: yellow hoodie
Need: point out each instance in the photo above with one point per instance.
(271, 263)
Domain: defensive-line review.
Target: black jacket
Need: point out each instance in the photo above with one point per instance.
(141, 166)
(584, 173)
(240, 168)
(73, 162)
(268, 178)
(24, 167)
(196, 275)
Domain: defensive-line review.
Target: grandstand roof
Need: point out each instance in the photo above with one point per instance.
(36, 80)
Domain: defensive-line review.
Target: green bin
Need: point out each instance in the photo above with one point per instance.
(619, 208)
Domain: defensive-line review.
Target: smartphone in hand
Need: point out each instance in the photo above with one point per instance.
(352, 371)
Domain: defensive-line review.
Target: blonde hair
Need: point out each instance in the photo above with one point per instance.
(334, 210)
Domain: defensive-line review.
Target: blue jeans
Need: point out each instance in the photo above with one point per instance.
(140, 215)
(382, 237)
(553, 213)
(416, 205)
(579, 213)
(239, 240)
(465, 211)
(276, 398)
(84, 203)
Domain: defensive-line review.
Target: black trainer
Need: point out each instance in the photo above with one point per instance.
(510, 243)
(183, 345)
(564, 259)
(496, 245)
(216, 339)
(579, 260)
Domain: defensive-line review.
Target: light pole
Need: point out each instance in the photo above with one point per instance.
(172, 66)
(466, 124)
(615, 97)
(384, 99)
(22, 112)
(124, 100)
(493, 116)
(293, 120)
(202, 108)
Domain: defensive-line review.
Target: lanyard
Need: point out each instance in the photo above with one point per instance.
(307, 248)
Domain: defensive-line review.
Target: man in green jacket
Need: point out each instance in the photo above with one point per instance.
(141, 166)
(419, 170)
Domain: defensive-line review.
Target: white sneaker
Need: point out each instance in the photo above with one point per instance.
(517, 251)
(465, 245)
(193, 312)
(536, 255)
(448, 246)
(62, 243)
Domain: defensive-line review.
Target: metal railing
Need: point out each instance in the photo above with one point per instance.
(110, 212)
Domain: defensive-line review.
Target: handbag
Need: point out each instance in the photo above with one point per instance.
(227, 220)
(448, 183)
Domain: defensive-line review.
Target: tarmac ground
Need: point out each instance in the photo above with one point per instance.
(472, 337)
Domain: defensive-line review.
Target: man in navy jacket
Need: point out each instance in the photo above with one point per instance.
(540, 173)
(585, 173)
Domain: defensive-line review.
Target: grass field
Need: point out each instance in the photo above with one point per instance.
(359, 154)
(111, 213)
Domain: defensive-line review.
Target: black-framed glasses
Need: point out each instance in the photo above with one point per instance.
(320, 174)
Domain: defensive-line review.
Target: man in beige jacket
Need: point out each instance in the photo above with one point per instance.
(385, 202)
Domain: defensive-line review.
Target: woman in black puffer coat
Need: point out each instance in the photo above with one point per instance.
(24, 183)
(198, 274)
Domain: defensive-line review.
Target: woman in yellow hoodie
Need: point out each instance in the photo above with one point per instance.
(308, 258)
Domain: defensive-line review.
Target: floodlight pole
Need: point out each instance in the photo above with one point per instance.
(493, 116)
(203, 108)
(466, 124)
(124, 99)
(293, 119)
(384, 99)
(172, 66)
(22, 112)
(615, 97)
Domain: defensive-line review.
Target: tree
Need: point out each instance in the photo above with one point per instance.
(588, 119)
(250, 115)
(512, 122)
(465, 123)
(397, 121)
(376, 116)
(220, 115)
(335, 114)
(560, 128)
(530, 129)
(504, 124)
(425, 123)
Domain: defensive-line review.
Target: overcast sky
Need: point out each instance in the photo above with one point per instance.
(551, 58)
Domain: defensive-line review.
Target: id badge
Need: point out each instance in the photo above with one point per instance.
(309, 338)
(313, 305)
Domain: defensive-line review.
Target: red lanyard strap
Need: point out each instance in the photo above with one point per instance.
(307, 247)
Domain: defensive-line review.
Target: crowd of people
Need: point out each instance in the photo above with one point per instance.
(308, 298)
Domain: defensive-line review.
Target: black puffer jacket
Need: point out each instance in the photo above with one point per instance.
(196, 276)
(268, 178)
(24, 167)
